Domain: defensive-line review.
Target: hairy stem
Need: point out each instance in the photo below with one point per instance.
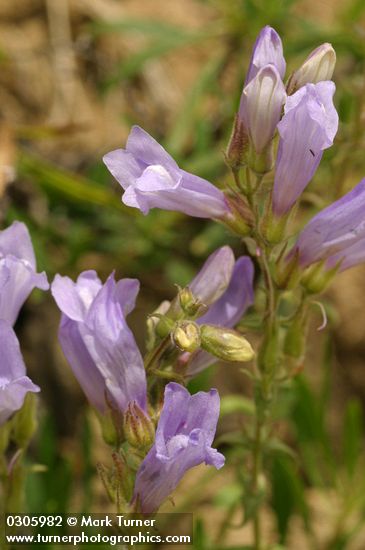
(266, 356)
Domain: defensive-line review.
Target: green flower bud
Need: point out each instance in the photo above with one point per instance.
(139, 430)
(186, 336)
(158, 323)
(164, 326)
(225, 343)
(110, 423)
(190, 305)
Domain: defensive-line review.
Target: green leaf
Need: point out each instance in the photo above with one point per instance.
(314, 441)
(201, 541)
(287, 495)
(276, 446)
(352, 435)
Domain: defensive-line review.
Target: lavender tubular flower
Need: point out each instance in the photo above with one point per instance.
(214, 277)
(268, 49)
(226, 311)
(18, 276)
(152, 179)
(184, 436)
(14, 384)
(260, 107)
(336, 232)
(97, 341)
(307, 128)
(238, 296)
(209, 284)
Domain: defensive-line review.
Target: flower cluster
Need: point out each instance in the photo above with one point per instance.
(301, 117)
(104, 357)
(158, 435)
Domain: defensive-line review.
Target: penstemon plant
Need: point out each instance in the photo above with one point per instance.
(155, 428)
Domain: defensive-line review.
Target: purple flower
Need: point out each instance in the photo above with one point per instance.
(226, 286)
(267, 50)
(97, 341)
(18, 274)
(260, 107)
(14, 384)
(349, 257)
(226, 311)
(152, 179)
(184, 436)
(307, 128)
(335, 233)
(214, 277)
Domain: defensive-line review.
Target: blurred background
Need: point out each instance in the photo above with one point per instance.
(75, 75)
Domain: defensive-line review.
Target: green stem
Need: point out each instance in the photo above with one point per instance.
(267, 376)
(153, 356)
(257, 464)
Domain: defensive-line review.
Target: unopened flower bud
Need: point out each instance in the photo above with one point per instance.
(318, 66)
(156, 320)
(189, 303)
(268, 49)
(227, 344)
(186, 336)
(238, 144)
(110, 423)
(261, 105)
(138, 428)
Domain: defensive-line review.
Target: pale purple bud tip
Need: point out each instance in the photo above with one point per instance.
(267, 50)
